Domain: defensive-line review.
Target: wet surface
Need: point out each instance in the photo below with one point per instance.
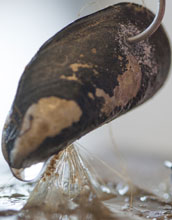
(142, 206)
(14, 196)
(150, 199)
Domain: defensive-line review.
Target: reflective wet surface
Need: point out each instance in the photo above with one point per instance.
(77, 185)
(142, 206)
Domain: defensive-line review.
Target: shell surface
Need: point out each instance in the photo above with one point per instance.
(84, 76)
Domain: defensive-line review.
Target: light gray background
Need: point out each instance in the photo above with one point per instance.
(26, 24)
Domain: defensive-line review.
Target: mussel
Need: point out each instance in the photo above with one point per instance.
(83, 77)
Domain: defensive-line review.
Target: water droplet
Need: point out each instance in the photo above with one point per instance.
(122, 189)
(125, 207)
(29, 174)
(168, 164)
(166, 196)
(143, 198)
(105, 189)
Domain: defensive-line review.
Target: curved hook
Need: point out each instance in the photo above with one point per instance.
(153, 27)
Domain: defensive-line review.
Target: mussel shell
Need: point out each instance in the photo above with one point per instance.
(84, 76)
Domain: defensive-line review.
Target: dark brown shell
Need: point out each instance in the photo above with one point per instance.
(96, 76)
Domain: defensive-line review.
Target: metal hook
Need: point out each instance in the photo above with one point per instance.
(153, 27)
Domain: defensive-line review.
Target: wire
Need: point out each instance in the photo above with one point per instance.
(154, 25)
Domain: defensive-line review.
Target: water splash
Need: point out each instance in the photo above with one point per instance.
(71, 186)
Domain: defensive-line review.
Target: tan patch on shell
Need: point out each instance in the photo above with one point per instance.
(95, 72)
(75, 66)
(49, 117)
(120, 57)
(73, 77)
(109, 104)
(93, 50)
(129, 85)
(90, 94)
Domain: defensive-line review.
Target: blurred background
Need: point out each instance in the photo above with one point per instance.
(26, 24)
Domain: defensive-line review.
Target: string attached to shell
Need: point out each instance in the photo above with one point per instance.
(94, 70)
